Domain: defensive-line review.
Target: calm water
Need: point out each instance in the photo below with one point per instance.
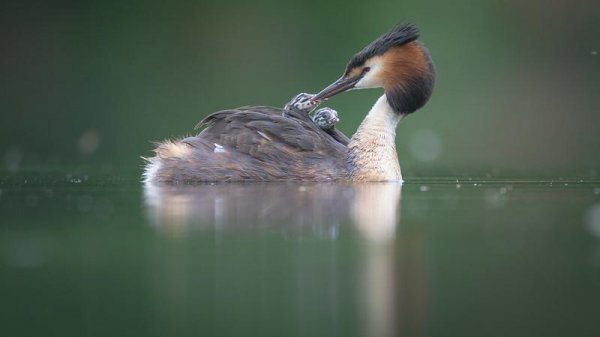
(109, 257)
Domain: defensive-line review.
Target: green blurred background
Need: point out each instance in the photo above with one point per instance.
(92, 83)
(85, 87)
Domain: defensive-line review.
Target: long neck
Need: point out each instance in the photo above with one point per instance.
(373, 146)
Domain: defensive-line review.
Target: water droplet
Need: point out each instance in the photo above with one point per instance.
(594, 52)
(457, 185)
(424, 188)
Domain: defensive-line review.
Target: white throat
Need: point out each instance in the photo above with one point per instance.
(373, 146)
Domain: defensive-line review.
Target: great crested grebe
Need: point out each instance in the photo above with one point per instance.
(258, 143)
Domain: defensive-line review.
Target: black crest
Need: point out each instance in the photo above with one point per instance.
(398, 36)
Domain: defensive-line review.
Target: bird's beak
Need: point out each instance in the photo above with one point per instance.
(339, 86)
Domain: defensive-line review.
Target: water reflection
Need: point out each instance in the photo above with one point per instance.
(310, 209)
(369, 212)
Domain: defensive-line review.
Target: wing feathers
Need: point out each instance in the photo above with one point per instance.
(257, 143)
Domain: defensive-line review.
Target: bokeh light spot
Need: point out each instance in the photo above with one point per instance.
(88, 142)
(425, 145)
(12, 160)
(592, 220)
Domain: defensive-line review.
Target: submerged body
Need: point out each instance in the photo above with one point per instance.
(269, 144)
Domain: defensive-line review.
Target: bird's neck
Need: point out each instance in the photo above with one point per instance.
(373, 146)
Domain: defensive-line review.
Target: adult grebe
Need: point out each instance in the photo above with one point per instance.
(261, 144)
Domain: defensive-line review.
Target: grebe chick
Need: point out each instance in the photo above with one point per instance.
(259, 144)
(302, 102)
(326, 119)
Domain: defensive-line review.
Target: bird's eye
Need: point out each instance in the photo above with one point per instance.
(366, 70)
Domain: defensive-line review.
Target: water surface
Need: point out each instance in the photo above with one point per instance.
(434, 257)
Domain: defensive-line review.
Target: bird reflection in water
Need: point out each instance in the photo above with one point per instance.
(320, 212)
(315, 209)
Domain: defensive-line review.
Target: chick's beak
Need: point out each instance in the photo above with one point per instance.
(339, 86)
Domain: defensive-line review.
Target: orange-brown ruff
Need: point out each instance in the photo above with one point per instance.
(257, 143)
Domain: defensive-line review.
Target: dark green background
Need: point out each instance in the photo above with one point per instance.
(517, 88)
(506, 245)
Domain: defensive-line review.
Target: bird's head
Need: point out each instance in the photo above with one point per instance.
(396, 62)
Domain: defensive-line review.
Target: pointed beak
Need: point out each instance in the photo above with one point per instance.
(339, 86)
